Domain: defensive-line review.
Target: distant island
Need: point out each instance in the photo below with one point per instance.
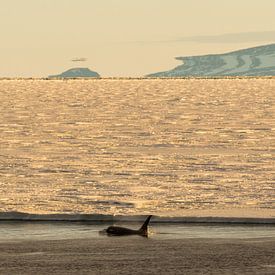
(257, 61)
(76, 72)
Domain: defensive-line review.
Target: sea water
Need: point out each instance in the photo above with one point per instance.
(18, 231)
(137, 146)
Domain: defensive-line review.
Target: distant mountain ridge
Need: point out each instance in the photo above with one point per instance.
(256, 61)
(76, 72)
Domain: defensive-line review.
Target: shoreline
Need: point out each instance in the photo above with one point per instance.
(138, 78)
(21, 216)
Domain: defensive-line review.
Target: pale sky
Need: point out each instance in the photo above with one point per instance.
(125, 37)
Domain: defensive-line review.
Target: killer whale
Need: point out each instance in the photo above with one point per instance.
(123, 231)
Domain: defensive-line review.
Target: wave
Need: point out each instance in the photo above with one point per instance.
(20, 216)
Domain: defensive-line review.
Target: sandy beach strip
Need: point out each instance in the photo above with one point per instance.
(137, 255)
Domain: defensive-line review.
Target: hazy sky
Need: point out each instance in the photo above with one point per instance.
(125, 37)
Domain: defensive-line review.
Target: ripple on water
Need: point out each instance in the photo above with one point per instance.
(131, 147)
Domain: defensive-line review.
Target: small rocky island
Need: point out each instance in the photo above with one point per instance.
(76, 72)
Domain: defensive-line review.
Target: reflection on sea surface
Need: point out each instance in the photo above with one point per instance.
(136, 146)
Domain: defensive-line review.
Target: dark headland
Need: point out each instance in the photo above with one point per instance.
(256, 62)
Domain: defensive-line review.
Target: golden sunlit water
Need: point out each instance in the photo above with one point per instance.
(118, 146)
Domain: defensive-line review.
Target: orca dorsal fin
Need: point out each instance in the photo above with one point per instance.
(144, 228)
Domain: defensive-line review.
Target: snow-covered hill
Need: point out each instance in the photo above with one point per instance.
(76, 72)
(258, 61)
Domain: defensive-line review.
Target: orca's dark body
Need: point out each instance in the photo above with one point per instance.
(123, 231)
